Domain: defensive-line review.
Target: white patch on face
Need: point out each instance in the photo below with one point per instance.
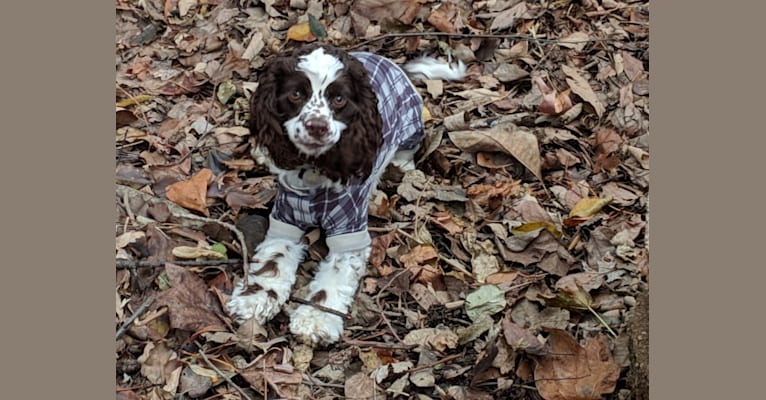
(321, 69)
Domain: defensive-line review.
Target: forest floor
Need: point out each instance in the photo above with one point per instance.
(512, 264)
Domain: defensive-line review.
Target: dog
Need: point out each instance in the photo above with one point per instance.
(327, 122)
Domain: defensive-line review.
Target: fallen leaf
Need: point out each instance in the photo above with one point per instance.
(606, 141)
(185, 5)
(509, 72)
(582, 88)
(447, 222)
(487, 299)
(191, 306)
(159, 363)
(419, 255)
(518, 142)
(521, 339)
(300, 33)
(377, 10)
(507, 18)
(361, 387)
(197, 253)
(129, 237)
(440, 338)
(570, 371)
(267, 374)
(575, 40)
(441, 22)
(502, 278)
(195, 380)
(555, 103)
(191, 193)
(477, 328)
(588, 207)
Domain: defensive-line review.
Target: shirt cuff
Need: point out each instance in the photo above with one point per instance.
(283, 230)
(349, 242)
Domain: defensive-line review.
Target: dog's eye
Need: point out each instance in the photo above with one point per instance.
(338, 101)
(295, 96)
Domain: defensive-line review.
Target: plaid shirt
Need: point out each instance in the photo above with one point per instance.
(345, 212)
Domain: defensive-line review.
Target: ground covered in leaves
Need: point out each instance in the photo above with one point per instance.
(510, 264)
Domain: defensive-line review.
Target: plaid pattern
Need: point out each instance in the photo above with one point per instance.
(345, 212)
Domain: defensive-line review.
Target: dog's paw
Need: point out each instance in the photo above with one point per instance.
(254, 302)
(313, 326)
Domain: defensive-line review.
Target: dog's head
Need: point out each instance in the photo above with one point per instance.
(316, 106)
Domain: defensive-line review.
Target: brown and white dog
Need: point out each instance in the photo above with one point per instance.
(327, 123)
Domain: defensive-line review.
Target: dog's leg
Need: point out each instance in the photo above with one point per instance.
(334, 286)
(270, 278)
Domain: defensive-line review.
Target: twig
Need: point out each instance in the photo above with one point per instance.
(320, 307)
(433, 364)
(380, 307)
(477, 35)
(316, 382)
(380, 345)
(124, 264)
(139, 311)
(226, 378)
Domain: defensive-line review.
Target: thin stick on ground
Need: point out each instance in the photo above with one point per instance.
(125, 264)
(139, 311)
(226, 378)
(476, 35)
(320, 307)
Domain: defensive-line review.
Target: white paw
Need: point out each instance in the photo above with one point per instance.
(314, 326)
(247, 304)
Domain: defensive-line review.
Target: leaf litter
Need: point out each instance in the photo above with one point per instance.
(507, 265)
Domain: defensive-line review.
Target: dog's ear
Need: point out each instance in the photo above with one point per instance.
(265, 122)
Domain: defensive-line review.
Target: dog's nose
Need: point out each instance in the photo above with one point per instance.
(316, 127)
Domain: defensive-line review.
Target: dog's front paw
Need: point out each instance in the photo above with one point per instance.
(313, 326)
(252, 302)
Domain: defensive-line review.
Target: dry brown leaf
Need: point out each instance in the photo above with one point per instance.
(377, 10)
(589, 206)
(509, 72)
(379, 247)
(606, 141)
(570, 371)
(441, 22)
(300, 33)
(493, 160)
(507, 18)
(585, 280)
(192, 193)
(195, 253)
(521, 339)
(268, 374)
(483, 193)
(361, 387)
(446, 221)
(158, 363)
(518, 142)
(576, 40)
(185, 5)
(191, 306)
(582, 88)
(129, 237)
(501, 278)
(419, 255)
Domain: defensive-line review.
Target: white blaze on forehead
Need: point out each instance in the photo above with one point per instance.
(321, 69)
